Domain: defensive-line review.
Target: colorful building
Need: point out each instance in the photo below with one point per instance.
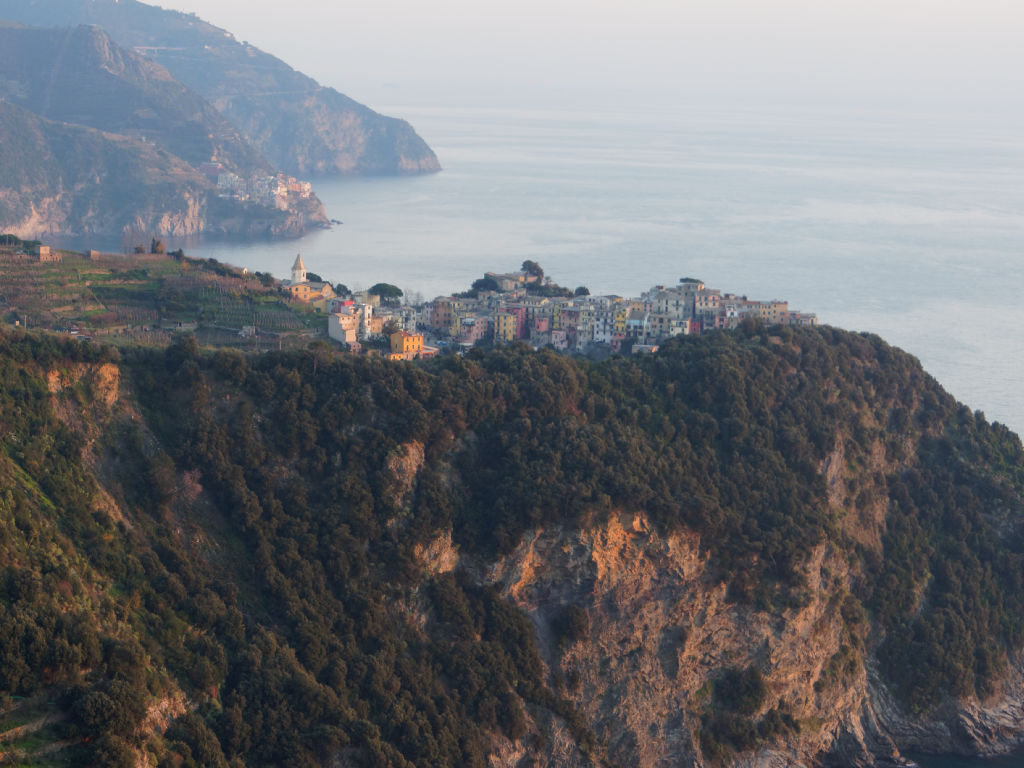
(405, 345)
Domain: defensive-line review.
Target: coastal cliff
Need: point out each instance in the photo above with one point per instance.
(64, 179)
(723, 554)
(660, 628)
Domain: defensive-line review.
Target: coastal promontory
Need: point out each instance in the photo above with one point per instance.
(66, 179)
(99, 140)
(302, 127)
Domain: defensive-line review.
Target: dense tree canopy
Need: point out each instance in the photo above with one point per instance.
(386, 291)
(533, 269)
(270, 568)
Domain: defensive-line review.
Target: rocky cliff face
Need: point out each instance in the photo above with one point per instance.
(335, 134)
(660, 630)
(660, 627)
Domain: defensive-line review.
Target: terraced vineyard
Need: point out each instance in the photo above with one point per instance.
(32, 732)
(145, 298)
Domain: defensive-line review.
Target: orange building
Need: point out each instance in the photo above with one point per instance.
(405, 345)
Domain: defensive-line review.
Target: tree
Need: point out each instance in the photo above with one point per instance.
(581, 290)
(485, 284)
(533, 269)
(389, 294)
(313, 277)
(341, 289)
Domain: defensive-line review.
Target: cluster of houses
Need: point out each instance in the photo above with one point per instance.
(270, 191)
(574, 324)
(359, 318)
(516, 308)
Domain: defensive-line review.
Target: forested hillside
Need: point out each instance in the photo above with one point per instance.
(293, 559)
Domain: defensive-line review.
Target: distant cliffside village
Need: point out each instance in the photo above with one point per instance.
(270, 191)
(148, 296)
(526, 306)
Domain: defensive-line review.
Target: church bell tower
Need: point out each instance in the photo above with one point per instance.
(298, 271)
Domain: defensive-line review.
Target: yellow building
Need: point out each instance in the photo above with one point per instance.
(773, 312)
(504, 327)
(405, 345)
(621, 315)
(303, 290)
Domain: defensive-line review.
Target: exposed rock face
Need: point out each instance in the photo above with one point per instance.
(973, 727)
(549, 743)
(104, 380)
(403, 464)
(661, 630)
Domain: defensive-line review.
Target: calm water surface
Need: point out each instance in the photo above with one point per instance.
(1006, 761)
(908, 227)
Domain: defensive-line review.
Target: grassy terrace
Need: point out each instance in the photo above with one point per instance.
(32, 733)
(146, 298)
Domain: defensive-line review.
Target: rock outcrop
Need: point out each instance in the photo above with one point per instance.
(661, 630)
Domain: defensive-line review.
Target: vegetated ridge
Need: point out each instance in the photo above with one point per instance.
(301, 126)
(79, 75)
(772, 546)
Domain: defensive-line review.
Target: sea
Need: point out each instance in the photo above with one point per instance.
(908, 226)
(938, 761)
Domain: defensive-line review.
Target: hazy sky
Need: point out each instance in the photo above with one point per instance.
(915, 54)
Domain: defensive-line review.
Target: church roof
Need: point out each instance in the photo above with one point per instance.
(298, 263)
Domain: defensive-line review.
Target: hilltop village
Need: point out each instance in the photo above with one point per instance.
(527, 306)
(147, 296)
